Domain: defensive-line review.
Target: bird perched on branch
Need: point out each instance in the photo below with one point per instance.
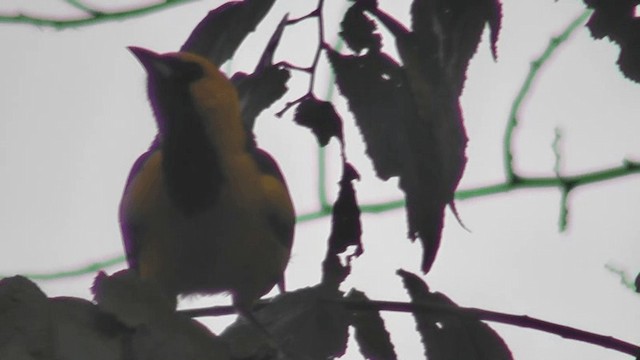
(204, 210)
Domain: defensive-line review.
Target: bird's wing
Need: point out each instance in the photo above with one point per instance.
(128, 227)
(281, 215)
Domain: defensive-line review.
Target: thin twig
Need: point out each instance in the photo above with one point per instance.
(504, 318)
(94, 17)
(525, 89)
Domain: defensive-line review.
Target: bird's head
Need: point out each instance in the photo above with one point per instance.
(187, 87)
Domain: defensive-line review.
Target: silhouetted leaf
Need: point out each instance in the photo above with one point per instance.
(450, 336)
(450, 31)
(129, 299)
(266, 59)
(259, 90)
(616, 19)
(370, 331)
(220, 33)
(422, 135)
(25, 330)
(358, 31)
(406, 136)
(321, 118)
(33, 326)
(379, 98)
(346, 229)
(153, 329)
(305, 322)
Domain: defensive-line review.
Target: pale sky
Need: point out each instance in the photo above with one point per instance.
(74, 117)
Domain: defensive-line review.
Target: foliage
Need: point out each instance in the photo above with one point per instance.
(409, 115)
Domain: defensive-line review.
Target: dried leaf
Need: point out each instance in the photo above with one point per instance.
(321, 118)
(370, 331)
(220, 33)
(358, 31)
(448, 336)
(305, 322)
(346, 230)
(259, 90)
(25, 329)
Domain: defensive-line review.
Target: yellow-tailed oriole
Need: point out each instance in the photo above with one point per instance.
(204, 209)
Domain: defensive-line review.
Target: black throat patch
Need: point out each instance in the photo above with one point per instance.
(189, 161)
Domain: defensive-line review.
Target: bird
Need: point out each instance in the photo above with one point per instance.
(204, 210)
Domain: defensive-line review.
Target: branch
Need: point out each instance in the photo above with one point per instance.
(93, 16)
(524, 321)
(90, 268)
(526, 87)
(566, 182)
(311, 70)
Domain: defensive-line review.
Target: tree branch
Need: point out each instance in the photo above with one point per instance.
(524, 321)
(554, 43)
(93, 16)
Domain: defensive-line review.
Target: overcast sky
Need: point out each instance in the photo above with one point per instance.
(74, 117)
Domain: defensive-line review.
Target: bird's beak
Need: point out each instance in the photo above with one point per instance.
(152, 62)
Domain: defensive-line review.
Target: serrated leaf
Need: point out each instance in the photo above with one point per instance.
(358, 31)
(259, 90)
(306, 322)
(617, 20)
(413, 136)
(450, 31)
(433, 138)
(220, 33)
(449, 336)
(378, 97)
(321, 118)
(370, 332)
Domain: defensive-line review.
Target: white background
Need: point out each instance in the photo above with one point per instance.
(74, 117)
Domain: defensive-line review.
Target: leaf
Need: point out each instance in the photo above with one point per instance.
(402, 140)
(378, 97)
(421, 138)
(266, 60)
(321, 118)
(259, 90)
(370, 331)
(80, 328)
(346, 230)
(220, 33)
(617, 20)
(152, 328)
(306, 322)
(450, 336)
(450, 31)
(358, 31)
(129, 299)
(25, 330)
